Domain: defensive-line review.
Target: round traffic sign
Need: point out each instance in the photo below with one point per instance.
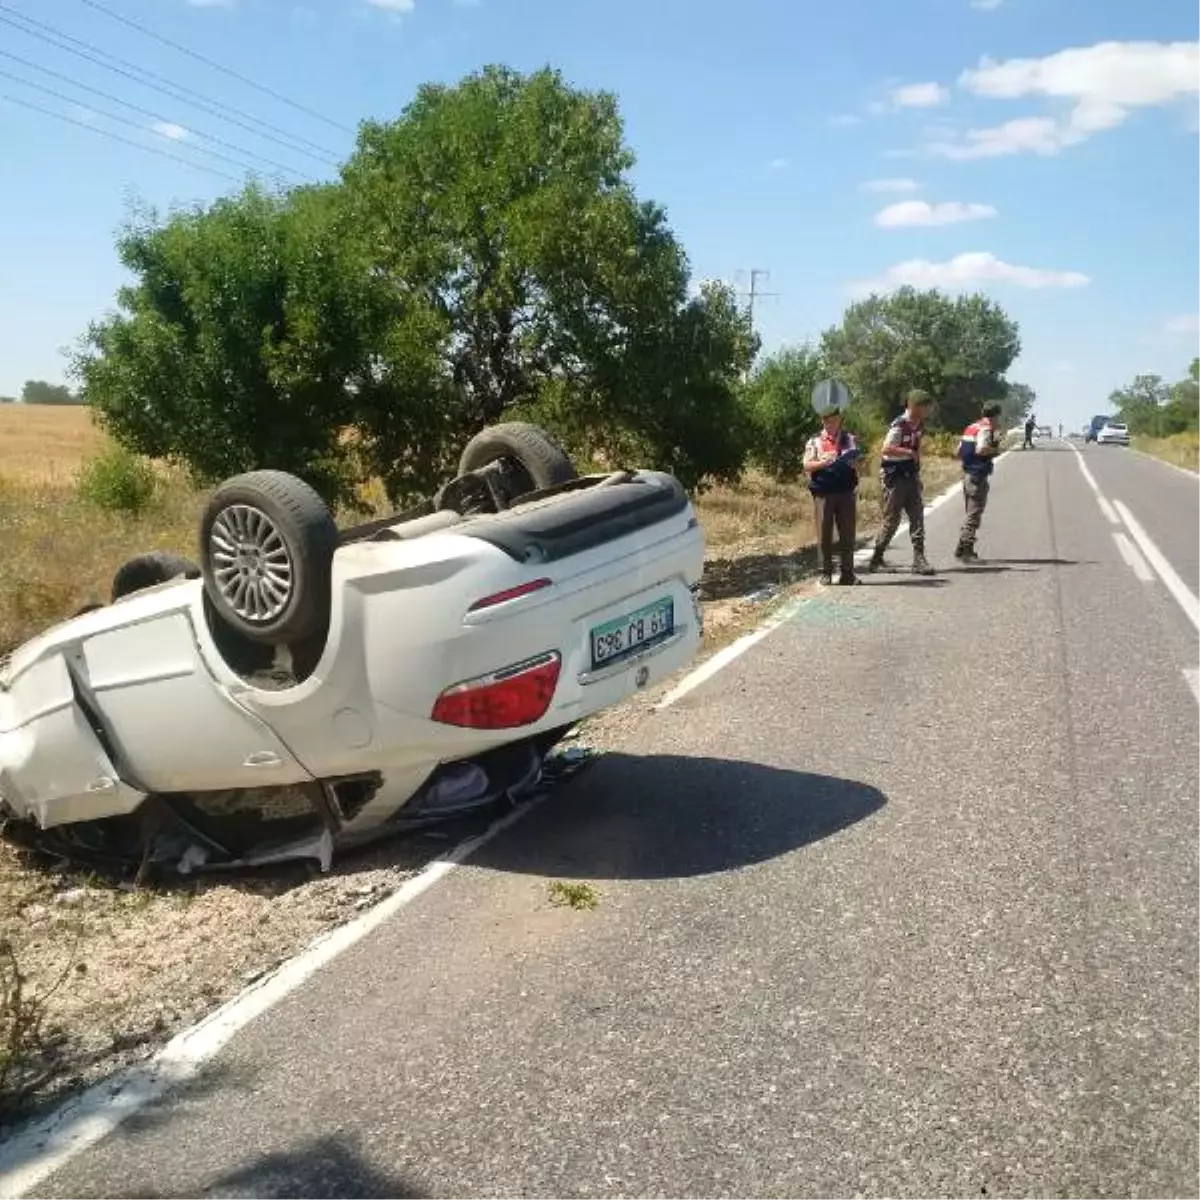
(830, 395)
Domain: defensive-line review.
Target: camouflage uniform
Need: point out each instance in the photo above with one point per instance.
(903, 493)
(976, 451)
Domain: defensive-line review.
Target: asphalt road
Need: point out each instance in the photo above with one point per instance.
(903, 902)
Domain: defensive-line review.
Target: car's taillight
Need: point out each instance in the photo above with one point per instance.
(518, 695)
(513, 593)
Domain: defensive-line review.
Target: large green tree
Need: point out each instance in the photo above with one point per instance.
(483, 256)
(956, 349)
(502, 206)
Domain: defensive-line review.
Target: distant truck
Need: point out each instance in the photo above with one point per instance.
(1094, 428)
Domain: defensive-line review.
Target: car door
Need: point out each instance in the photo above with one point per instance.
(175, 728)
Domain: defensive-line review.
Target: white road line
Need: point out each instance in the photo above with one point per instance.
(1105, 507)
(1193, 680)
(1182, 593)
(723, 657)
(48, 1144)
(1131, 554)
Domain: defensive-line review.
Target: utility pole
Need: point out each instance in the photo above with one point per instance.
(755, 291)
(753, 294)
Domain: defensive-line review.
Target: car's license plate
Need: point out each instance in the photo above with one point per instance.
(615, 639)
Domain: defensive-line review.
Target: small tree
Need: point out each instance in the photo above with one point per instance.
(778, 400)
(1140, 404)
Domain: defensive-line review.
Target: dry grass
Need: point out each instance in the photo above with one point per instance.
(1182, 449)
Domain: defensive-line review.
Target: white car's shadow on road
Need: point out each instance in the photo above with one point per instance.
(671, 815)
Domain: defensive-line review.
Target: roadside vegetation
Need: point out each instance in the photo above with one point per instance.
(1163, 419)
(484, 257)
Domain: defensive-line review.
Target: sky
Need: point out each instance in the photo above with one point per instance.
(1043, 152)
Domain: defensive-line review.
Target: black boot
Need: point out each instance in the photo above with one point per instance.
(876, 560)
(920, 563)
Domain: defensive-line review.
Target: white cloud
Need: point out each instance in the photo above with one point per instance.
(1104, 82)
(1035, 135)
(909, 213)
(1186, 324)
(845, 120)
(889, 185)
(964, 270)
(170, 131)
(778, 164)
(920, 95)
(986, 5)
(393, 6)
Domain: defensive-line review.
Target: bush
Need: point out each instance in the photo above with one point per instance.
(117, 481)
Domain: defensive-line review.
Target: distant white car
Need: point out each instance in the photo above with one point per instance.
(1114, 433)
(303, 689)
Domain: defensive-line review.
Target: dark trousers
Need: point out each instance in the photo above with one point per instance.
(975, 496)
(836, 510)
(902, 497)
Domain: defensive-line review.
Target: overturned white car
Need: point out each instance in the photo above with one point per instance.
(304, 688)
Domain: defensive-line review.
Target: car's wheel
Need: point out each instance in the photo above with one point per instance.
(148, 570)
(266, 550)
(529, 457)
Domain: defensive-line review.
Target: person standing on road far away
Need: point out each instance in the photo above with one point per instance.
(977, 449)
(900, 474)
(830, 463)
(1030, 425)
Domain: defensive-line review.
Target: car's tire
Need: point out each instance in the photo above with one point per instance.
(266, 551)
(532, 458)
(149, 570)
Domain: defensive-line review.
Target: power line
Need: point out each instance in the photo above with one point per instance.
(122, 120)
(146, 112)
(176, 91)
(116, 137)
(166, 41)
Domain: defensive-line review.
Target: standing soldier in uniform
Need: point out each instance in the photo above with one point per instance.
(900, 474)
(829, 462)
(977, 448)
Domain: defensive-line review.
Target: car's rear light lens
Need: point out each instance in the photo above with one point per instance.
(513, 593)
(518, 695)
